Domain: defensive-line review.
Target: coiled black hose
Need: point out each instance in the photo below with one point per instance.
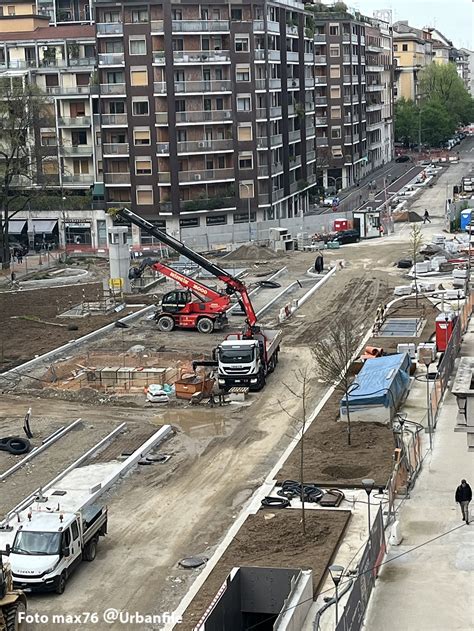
(275, 502)
(291, 489)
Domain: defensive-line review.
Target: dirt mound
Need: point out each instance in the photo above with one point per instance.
(251, 252)
(407, 215)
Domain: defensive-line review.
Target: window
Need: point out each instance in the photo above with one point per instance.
(335, 112)
(245, 160)
(144, 195)
(137, 46)
(244, 217)
(50, 167)
(244, 104)
(111, 16)
(140, 106)
(11, 10)
(335, 72)
(189, 222)
(82, 78)
(80, 166)
(216, 220)
(241, 43)
(337, 151)
(143, 166)
(141, 137)
(236, 14)
(48, 139)
(75, 530)
(139, 15)
(116, 107)
(176, 14)
(177, 43)
(336, 132)
(181, 135)
(395, 48)
(246, 190)
(115, 77)
(404, 47)
(52, 80)
(242, 73)
(113, 47)
(219, 103)
(101, 232)
(139, 76)
(334, 50)
(180, 105)
(335, 92)
(244, 131)
(334, 29)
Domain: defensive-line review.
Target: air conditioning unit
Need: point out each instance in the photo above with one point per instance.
(197, 177)
(228, 114)
(202, 144)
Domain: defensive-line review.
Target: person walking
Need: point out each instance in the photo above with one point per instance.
(463, 497)
(426, 216)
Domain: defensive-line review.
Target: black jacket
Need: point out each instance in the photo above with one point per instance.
(463, 493)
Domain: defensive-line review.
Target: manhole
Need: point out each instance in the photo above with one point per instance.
(191, 562)
(400, 327)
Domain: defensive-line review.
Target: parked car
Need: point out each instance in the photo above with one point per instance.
(403, 158)
(347, 236)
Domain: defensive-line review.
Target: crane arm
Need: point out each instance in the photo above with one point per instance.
(233, 284)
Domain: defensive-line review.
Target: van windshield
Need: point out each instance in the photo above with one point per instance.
(37, 543)
(236, 356)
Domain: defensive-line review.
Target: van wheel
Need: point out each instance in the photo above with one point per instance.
(15, 616)
(165, 323)
(90, 551)
(61, 586)
(205, 325)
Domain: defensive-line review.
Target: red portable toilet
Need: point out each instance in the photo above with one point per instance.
(444, 328)
(341, 224)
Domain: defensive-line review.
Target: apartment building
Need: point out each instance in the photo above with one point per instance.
(207, 110)
(412, 50)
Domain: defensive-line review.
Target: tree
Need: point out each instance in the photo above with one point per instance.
(302, 378)
(441, 83)
(334, 353)
(21, 105)
(437, 124)
(416, 241)
(406, 121)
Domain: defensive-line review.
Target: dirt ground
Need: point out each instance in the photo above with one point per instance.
(263, 541)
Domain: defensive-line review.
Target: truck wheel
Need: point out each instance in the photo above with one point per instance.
(90, 551)
(261, 381)
(205, 325)
(15, 616)
(165, 323)
(61, 586)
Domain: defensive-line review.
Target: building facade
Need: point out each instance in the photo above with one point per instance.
(413, 51)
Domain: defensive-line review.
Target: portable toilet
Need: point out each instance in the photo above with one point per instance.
(341, 224)
(466, 218)
(444, 328)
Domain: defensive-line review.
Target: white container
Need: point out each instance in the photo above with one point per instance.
(407, 348)
(460, 273)
(422, 267)
(403, 290)
(431, 346)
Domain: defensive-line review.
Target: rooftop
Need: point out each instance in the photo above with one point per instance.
(48, 34)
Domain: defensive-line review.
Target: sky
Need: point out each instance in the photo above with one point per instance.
(454, 18)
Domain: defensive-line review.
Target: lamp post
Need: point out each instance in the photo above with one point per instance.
(368, 485)
(336, 572)
(248, 208)
(426, 359)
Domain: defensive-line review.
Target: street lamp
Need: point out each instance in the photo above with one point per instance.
(368, 485)
(248, 208)
(426, 358)
(336, 572)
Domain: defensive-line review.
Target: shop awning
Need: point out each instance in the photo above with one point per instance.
(42, 226)
(16, 226)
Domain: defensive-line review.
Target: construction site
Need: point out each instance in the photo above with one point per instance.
(196, 425)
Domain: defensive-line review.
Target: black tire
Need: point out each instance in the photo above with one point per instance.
(12, 614)
(61, 586)
(90, 551)
(165, 323)
(17, 445)
(261, 381)
(205, 325)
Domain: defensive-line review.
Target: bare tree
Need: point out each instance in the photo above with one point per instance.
(302, 378)
(416, 241)
(21, 106)
(334, 355)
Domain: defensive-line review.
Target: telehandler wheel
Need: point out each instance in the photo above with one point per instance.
(165, 323)
(15, 615)
(205, 325)
(90, 551)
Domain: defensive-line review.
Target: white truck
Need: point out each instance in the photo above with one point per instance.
(247, 362)
(51, 536)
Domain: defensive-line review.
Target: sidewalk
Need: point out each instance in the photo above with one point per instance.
(432, 588)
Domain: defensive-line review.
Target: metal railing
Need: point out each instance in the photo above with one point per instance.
(206, 174)
(115, 148)
(109, 28)
(116, 178)
(114, 119)
(75, 150)
(198, 146)
(111, 59)
(78, 121)
(112, 88)
(322, 141)
(203, 115)
(200, 56)
(199, 26)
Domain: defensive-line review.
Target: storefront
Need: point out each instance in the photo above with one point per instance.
(18, 232)
(43, 234)
(78, 232)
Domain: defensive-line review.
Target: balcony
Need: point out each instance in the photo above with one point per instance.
(70, 90)
(275, 112)
(346, 38)
(362, 59)
(310, 156)
(374, 68)
(321, 100)
(294, 136)
(322, 141)
(111, 59)
(206, 175)
(114, 119)
(157, 26)
(161, 118)
(200, 26)
(263, 199)
(321, 80)
(348, 140)
(295, 161)
(115, 149)
(52, 63)
(292, 56)
(346, 59)
(258, 26)
(198, 146)
(273, 27)
(371, 126)
(75, 150)
(347, 78)
(202, 116)
(116, 178)
(273, 84)
(202, 86)
(293, 84)
(321, 120)
(159, 57)
(81, 179)
(374, 87)
(350, 98)
(372, 107)
(320, 38)
(308, 58)
(278, 194)
(78, 121)
(291, 29)
(162, 148)
(310, 131)
(309, 82)
(112, 88)
(320, 59)
(201, 56)
(265, 171)
(17, 64)
(82, 61)
(110, 28)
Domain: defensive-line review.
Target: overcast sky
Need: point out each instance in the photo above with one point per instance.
(454, 18)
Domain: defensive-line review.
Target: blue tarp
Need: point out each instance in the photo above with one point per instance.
(382, 381)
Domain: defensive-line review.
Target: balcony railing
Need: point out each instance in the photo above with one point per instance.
(293, 83)
(203, 86)
(200, 56)
(199, 26)
(115, 148)
(75, 150)
(308, 57)
(78, 121)
(159, 57)
(320, 38)
(374, 87)
(112, 88)
(76, 89)
(207, 174)
(371, 107)
(320, 59)
(117, 178)
(292, 56)
(273, 84)
(321, 141)
(161, 118)
(203, 116)
(163, 147)
(321, 120)
(198, 146)
(374, 68)
(310, 156)
(346, 59)
(78, 178)
(82, 61)
(347, 78)
(114, 119)
(321, 100)
(294, 135)
(265, 171)
(275, 112)
(157, 26)
(310, 131)
(273, 55)
(348, 140)
(309, 82)
(111, 59)
(320, 80)
(110, 28)
(291, 29)
(295, 161)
